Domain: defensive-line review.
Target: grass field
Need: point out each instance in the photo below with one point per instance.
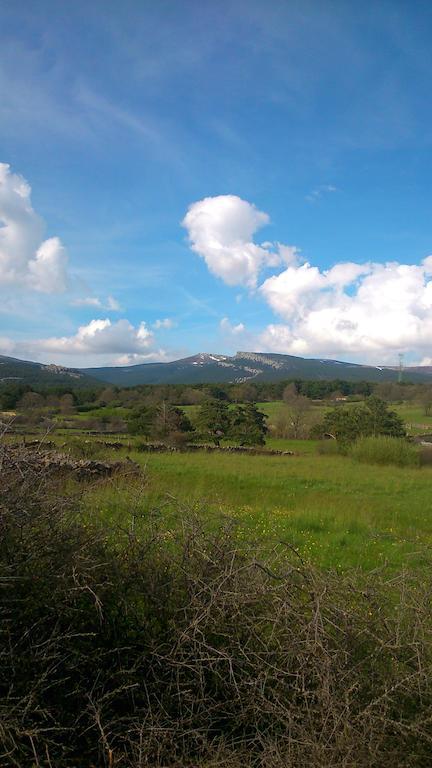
(336, 512)
(412, 414)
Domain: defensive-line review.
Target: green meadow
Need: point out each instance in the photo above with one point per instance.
(334, 511)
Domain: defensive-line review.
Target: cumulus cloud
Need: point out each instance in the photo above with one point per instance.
(101, 337)
(368, 311)
(92, 301)
(26, 259)
(293, 291)
(100, 341)
(134, 358)
(231, 330)
(87, 301)
(166, 323)
(387, 308)
(221, 231)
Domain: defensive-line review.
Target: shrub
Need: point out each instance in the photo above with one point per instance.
(81, 448)
(133, 651)
(329, 448)
(385, 450)
(425, 452)
(373, 418)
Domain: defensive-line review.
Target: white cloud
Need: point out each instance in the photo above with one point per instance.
(388, 308)
(48, 269)
(101, 336)
(87, 301)
(221, 231)
(317, 193)
(134, 358)
(26, 260)
(166, 323)
(232, 330)
(7, 346)
(364, 311)
(113, 304)
(100, 341)
(92, 301)
(288, 292)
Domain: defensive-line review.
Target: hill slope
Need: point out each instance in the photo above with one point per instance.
(245, 366)
(37, 374)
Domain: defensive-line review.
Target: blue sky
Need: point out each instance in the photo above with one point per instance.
(307, 124)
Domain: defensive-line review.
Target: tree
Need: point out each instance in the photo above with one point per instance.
(192, 396)
(31, 404)
(373, 417)
(248, 425)
(10, 394)
(169, 422)
(391, 391)
(298, 409)
(140, 421)
(31, 401)
(213, 419)
(243, 393)
(383, 421)
(106, 396)
(426, 400)
(67, 404)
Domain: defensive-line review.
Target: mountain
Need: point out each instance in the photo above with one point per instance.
(26, 372)
(246, 366)
(204, 369)
(410, 369)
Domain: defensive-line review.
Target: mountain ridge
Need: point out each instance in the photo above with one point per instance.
(208, 368)
(205, 368)
(14, 370)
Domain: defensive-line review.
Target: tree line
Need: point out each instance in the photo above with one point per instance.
(215, 421)
(11, 393)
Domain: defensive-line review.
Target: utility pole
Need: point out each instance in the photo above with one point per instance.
(401, 367)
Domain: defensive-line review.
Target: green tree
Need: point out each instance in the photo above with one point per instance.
(170, 421)
(10, 394)
(383, 421)
(371, 418)
(213, 419)
(140, 421)
(248, 425)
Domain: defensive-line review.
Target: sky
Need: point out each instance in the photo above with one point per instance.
(183, 177)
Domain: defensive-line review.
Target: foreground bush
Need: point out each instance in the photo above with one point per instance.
(385, 450)
(183, 650)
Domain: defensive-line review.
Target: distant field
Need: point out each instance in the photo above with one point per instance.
(412, 415)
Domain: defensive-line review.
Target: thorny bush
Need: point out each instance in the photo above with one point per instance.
(117, 651)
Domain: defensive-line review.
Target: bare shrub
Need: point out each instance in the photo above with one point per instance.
(180, 648)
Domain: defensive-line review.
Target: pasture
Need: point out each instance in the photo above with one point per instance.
(336, 512)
